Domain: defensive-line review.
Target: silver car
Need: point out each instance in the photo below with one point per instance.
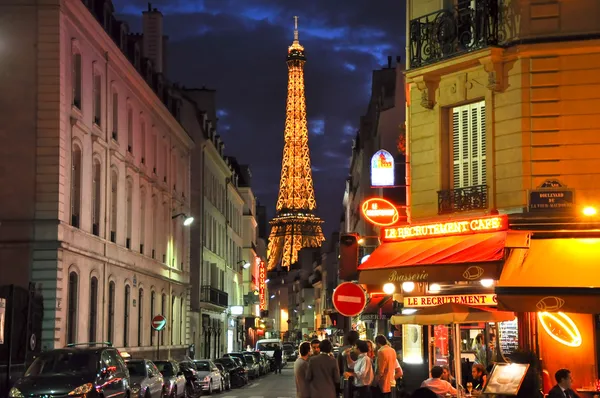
(146, 380)
(209, 375)
(174, 380)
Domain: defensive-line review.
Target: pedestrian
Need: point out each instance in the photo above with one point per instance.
(564, 382)
(362, 371)
(386, 367)
(323, 374)
(300, 368)
(278, 357)
(315, 346)
(348, 349)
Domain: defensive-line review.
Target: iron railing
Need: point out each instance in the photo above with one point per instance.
(209, 294)
(450, 32)
(463, 199)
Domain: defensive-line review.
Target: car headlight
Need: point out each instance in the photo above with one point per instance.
(135, 389)
(15, 393)
(83, 389)
(207, 378)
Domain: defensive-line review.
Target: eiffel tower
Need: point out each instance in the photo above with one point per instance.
(295, 226)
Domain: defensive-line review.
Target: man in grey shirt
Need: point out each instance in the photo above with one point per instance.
(300, 367)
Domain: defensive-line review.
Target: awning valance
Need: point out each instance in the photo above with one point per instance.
(552, 275)
(451, 313)
(453, 258)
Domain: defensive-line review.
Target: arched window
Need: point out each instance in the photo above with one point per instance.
(75, 185)
(142, 219)
(163, 308)
(129, 130)
(129, 227)
(140, 342)
(72, 307)
(152, 301)
(143, 141)
(93, 323)
(111, 312)
(114, 190)
(181, 322)
(96, 196)
(126, 316)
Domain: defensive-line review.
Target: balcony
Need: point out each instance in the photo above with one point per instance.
(315, 277)
(451, 32)
(463, 199)
(209, 294)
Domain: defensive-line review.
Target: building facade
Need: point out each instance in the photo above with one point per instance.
(95, 213)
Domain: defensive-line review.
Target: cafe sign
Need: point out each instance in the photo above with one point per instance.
(447, 228)
(466, 299)
(379, 211)
(382, 169)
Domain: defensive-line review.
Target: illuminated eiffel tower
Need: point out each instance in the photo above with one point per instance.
(294, 226)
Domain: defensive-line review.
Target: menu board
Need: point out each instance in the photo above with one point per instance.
(506, 378)
(509, 336)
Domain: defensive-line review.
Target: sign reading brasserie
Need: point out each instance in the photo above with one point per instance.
(551, 196)
(455, 227)
(467, 299)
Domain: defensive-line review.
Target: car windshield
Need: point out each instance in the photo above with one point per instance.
(165, 368)
(64, 362)
(267, 346)
(249, 358)
(136, 368)
(202, 366)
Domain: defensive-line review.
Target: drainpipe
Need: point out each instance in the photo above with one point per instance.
(407, 116)
(107, 190)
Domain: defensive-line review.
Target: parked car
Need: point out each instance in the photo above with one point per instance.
(253, 366)
(146, 380)
(74, 371)
(238, 375)
(241, 357)
(289, 351)
(266, 362)
(209, 375)
(173, 378)
(225, 376)
(259, 361)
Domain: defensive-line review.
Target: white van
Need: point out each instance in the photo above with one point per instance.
(268, 346)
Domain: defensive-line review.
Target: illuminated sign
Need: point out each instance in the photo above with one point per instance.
(382, 169)
(466, 299)
(262, 285)
(237, 310)
(448, 228)
(561, 328)
(380, 212)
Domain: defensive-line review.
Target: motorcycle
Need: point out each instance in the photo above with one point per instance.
(193, 386)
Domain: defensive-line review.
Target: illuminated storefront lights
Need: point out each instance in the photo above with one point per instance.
(561, 328)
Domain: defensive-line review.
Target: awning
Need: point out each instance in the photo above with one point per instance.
(450, 313)
(452, 258)
(552, 275)
(378, 307)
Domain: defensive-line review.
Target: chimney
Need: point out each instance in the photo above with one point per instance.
(389, 61)
(153, 37)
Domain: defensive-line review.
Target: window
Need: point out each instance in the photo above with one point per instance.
(155, 216)
(115, 116)
(75, 186)
(165, 162)
(166, 236)
(163, 310)
(173, 320)
(469, 145)
(72, 307)
(129, 219)
(97, 98)
(140, 304)
(93, 323)
(152, 301)
(96, 196)
(142, 219)
(76, 80)
(126, 316)
(114, 181)
(111, 312)
(129, 130)
(143, 141)
(154, 152)
(181, 322)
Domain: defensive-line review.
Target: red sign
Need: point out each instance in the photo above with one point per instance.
(380, 212)
(159, 322)
(262, 286)
(349, 299)
(446, 228)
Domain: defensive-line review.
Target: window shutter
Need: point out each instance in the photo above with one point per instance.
(460, 146)
(478, 169)
(469, 145)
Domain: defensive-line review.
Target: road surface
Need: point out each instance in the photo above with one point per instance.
(270, 386)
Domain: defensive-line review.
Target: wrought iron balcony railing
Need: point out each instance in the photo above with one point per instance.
(450, 32)
(463, 199)
(209, 294)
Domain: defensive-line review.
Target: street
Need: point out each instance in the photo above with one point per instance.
(270, 386)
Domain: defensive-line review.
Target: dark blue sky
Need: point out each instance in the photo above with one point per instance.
(238, 47)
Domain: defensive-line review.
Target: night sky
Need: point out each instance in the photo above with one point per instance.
(238, 47)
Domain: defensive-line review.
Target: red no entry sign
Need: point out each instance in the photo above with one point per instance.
(349, 299)
(159, 322)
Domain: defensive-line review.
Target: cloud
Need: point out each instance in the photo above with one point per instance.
(239, 48)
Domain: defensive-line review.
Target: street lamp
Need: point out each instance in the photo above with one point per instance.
(589, 211)
(245, 263)
(187, 220)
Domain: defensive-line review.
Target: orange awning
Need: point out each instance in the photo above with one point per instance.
(452, 258)
(377, 308)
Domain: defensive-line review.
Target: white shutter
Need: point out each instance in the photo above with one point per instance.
(469, 145)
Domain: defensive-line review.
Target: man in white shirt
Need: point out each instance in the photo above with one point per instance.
(362, 371)
(437, 385)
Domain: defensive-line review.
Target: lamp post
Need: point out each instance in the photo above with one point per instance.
(187, 220)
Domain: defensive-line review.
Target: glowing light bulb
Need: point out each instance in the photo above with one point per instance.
(389, 288)
(408, 286)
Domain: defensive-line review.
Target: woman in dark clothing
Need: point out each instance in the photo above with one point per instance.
(277, 357)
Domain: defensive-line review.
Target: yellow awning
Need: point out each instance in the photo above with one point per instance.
(451, 313)
(552, 275)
